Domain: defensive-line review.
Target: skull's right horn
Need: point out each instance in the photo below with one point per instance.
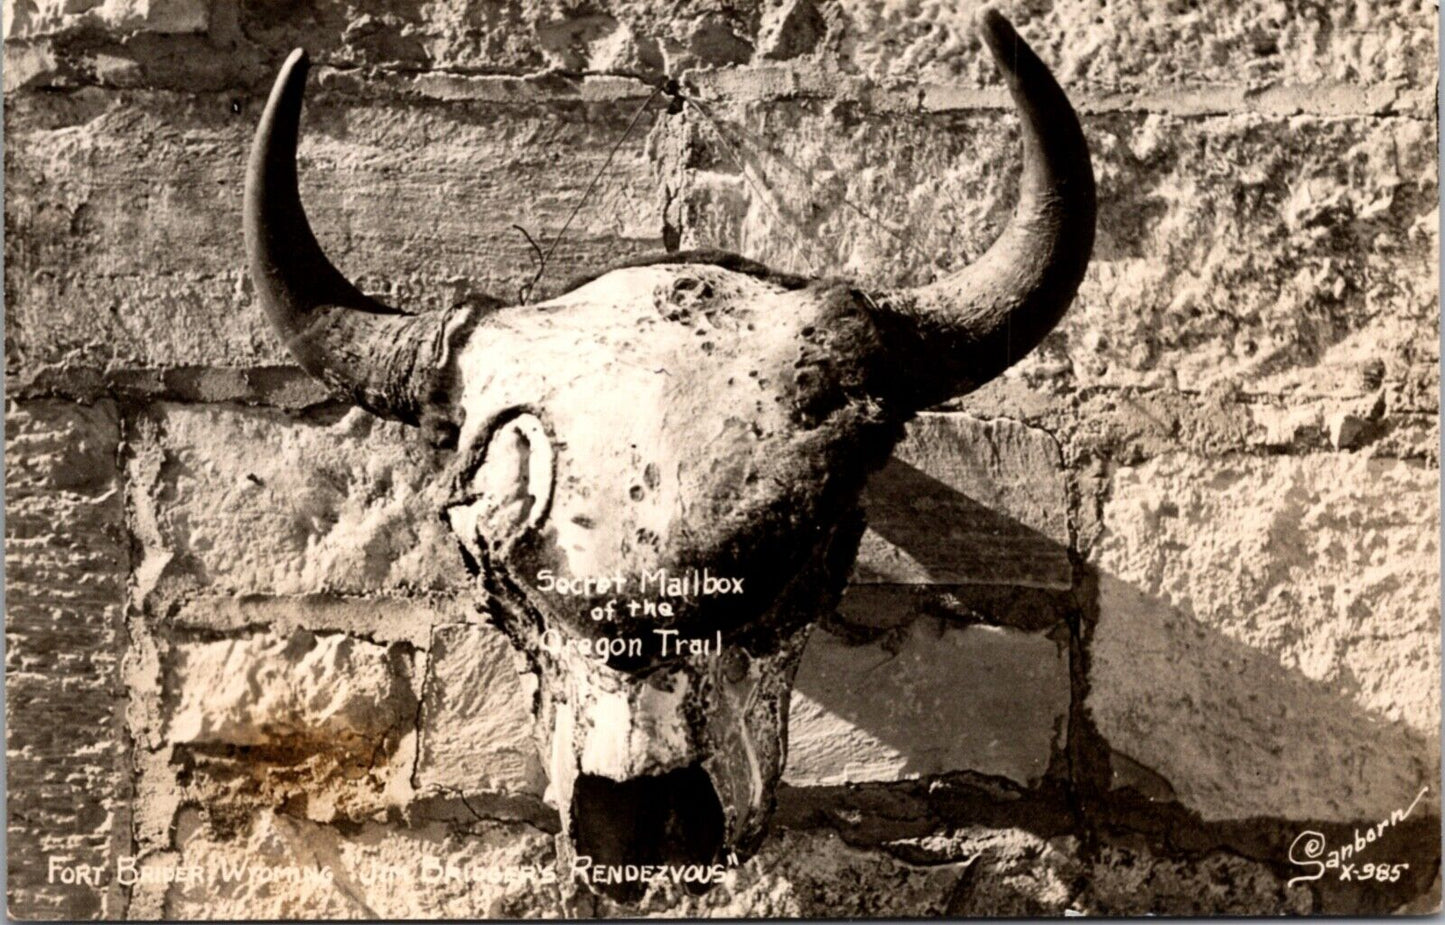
(953, 335)
(389, 362)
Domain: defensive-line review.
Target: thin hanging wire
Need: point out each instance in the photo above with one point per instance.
(902, 236)
(763, 197)
(755, 179)
(543, 257)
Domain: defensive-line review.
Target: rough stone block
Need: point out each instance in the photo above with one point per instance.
(933, 700)
(965, 501)
(1268, 636)
(1015, 872)
(1282, 255)
(305, 690)
(28, 19)
(1132, 879)
(381, 619)
(1128, 427)
(1144, 48)
(27, 67)
(322, 724)
(416, 202)
(232, 500)
(817, 875)
(66, 565)
(1267, 641)
(1012, 871)
(476, 721)
(1305, 47)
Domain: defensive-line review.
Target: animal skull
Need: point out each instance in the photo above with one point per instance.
(691, 415)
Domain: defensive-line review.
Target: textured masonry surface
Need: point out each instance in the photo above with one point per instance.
(1126, 621)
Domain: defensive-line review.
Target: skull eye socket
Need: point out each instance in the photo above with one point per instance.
(506, 490)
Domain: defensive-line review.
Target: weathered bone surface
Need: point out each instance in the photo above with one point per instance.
(696, 415)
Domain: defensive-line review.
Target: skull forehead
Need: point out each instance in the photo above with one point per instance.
(653, 331)
(695, 412)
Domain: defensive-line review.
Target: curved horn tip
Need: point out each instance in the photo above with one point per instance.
(294, 69)
(1000, 36)
(992, 22)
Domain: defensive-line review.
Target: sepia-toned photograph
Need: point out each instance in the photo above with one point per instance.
(745, 459)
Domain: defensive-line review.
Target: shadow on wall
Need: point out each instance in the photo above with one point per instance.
(1217, 741)
(951, 678)
(938, 535)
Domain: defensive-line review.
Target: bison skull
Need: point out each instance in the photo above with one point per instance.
(691, 414)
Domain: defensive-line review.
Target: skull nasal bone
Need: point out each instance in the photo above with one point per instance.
(664, 819)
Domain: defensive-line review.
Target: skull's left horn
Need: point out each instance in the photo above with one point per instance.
(385, 360)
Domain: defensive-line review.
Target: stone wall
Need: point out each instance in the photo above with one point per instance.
(1127, 620)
